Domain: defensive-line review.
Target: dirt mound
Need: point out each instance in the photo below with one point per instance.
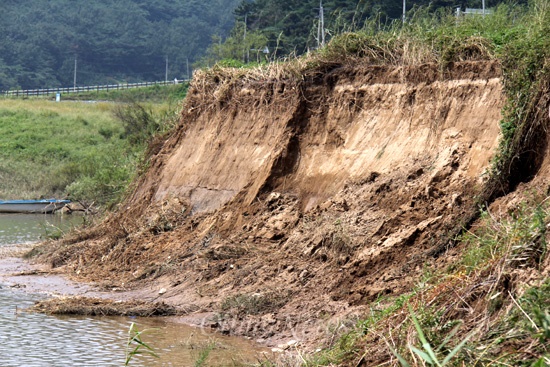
(282, 203)
(102, 307)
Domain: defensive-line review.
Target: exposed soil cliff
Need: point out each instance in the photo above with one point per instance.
(283, 203)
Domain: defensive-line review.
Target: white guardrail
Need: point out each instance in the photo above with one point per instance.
(91, 88)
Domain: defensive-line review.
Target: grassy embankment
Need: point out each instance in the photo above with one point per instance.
(492, 305)
(80, 150)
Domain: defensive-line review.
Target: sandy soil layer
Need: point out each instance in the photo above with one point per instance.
(284, 207)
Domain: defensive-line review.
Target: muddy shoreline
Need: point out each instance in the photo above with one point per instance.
(32, 277)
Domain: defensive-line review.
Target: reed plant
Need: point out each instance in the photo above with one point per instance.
(136, 346)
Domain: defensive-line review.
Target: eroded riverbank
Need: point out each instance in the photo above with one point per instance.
(82, 340)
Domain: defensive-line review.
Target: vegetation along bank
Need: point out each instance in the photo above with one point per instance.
(87, 147)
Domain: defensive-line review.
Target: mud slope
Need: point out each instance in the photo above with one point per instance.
(287, 201)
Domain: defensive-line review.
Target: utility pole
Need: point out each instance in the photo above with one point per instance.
(74, 79)
(244, 38)
(404, 10)
(319, 32)
(483, 7)
(246, 50)
(188, 76)
(166, 72)
(321, 26)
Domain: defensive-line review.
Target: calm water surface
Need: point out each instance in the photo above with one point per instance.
(37, 340)
(28, 228)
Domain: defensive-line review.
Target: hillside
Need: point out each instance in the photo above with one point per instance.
(124, 41)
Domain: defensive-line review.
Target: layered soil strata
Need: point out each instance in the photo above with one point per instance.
(285, 204)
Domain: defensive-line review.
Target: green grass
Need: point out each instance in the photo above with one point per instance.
(136, 346)
(511, 322)
(154, 94)
(72, 149)
(47, 147)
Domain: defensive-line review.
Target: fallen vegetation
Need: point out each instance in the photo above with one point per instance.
(101, 307)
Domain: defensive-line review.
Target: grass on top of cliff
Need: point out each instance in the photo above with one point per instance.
(428, 36)
(83, 151)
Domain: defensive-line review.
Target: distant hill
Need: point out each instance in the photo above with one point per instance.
(124, 40)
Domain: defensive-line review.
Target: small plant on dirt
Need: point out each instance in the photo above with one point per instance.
(427, 353)
(534, 305)
(51, 232)
(380, 309)
(136, 345)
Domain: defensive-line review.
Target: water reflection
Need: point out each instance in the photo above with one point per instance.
(37, 340)
(40, 340)
(27, 228)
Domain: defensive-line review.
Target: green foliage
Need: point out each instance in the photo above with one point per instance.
(77, 150)
(380, 310)
(102, 178)
(138, 122)
(519, 240)
(204, 353)
(429, 354)
(81, 150)
(135, 345)
(523, 49)
(237, 47)
(292, 27)
(536, 303)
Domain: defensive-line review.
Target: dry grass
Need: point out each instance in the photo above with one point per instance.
(7, 251)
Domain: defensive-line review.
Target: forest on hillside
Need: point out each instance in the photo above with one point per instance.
(112, 41)
(43, 42)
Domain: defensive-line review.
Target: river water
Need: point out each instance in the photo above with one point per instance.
(38, 340)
